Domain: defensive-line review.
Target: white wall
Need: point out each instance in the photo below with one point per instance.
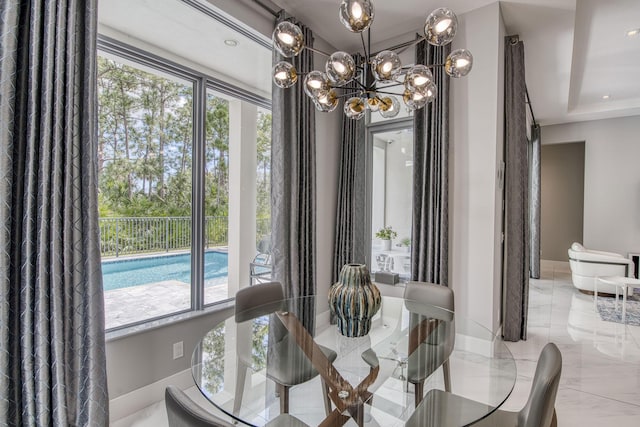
(475, 155)
(611, 179)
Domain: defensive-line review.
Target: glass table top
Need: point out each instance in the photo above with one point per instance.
(371, 379)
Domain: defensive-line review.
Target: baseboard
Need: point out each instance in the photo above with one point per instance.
(139, 399)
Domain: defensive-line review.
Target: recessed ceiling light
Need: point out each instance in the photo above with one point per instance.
(634, 32)
(606, 96)
(231, 42)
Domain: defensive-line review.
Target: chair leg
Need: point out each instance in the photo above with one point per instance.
(325, 397)
(284, 398)
(447, 376)
(419, 391)
(241, 375)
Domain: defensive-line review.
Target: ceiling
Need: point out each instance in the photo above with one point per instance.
(576, 51)
(193, 37)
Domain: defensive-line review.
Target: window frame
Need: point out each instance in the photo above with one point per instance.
(201, 83)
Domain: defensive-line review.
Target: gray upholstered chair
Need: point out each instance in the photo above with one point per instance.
(288, 365)
(434, 302)
(443, 409)
(184, 412)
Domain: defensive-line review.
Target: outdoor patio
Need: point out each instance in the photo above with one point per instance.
(136, 303)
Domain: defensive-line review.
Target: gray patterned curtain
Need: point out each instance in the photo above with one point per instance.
(293, 184)
(430, 232)
(516, 259)
(52, 360)
(350, 228)
(534, 201)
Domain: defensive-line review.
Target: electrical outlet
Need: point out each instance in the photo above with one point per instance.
(178, 350)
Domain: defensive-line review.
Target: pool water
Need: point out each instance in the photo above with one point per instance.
(133, 272)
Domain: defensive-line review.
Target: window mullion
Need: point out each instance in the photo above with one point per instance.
(197, 198)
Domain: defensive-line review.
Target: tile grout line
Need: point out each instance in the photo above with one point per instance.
(600, 396)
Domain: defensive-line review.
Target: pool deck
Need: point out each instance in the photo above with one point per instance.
(133, 304)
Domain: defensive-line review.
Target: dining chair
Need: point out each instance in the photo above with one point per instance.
(288, 366)
(434, 302)
(443, 409)
(184, 412)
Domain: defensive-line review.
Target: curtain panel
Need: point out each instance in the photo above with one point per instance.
(352, 184)
(534, 200)
(52, 350)
(516, 257)
(430, 229)
(293, 184)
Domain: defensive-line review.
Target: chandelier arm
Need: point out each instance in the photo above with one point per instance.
(388, 93)
(317, 51)
(359, 84)
(364, 47)
(405, 46)
(392, 85)
(346, 94)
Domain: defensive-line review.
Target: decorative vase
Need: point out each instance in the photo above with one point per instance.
(354, 300)
(386, 244)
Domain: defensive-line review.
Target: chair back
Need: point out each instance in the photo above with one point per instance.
(539, 410)
(258, 300)
(428, 300)
(436, 298)
(184, 412)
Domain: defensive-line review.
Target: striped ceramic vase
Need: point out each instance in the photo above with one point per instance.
(354, 300)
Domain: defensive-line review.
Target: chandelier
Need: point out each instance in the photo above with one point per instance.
(377, 73)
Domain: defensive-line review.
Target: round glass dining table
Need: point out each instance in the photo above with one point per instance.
(371, 380)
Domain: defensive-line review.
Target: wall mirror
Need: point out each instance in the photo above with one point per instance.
(390, 183)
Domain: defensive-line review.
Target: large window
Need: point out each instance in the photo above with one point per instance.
(164, 221)
(144, 160)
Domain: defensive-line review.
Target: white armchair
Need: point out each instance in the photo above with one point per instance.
(586, 265)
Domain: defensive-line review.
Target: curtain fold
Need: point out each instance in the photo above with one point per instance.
(516, 258)
(430, 224)
(293, 184)
(352, 185)
(52, 358)
(534, 200)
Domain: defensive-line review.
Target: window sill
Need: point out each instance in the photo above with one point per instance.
(165, 321)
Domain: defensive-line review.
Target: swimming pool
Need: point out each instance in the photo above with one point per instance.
(141, 271)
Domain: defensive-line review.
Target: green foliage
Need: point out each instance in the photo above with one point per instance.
(386, 233)
(145, 150)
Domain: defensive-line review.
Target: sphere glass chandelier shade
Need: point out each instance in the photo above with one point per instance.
(327, 101)
(340, 68)
(389, 107)
(458, 63)
(365, 85)
(355, 107)
(288, 39)
(284, 75)
(386, 66)
(440, 27)
(356, 15)
(315, 84)
(418, 77)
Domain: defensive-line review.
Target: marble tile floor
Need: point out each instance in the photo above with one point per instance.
(600, 383)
